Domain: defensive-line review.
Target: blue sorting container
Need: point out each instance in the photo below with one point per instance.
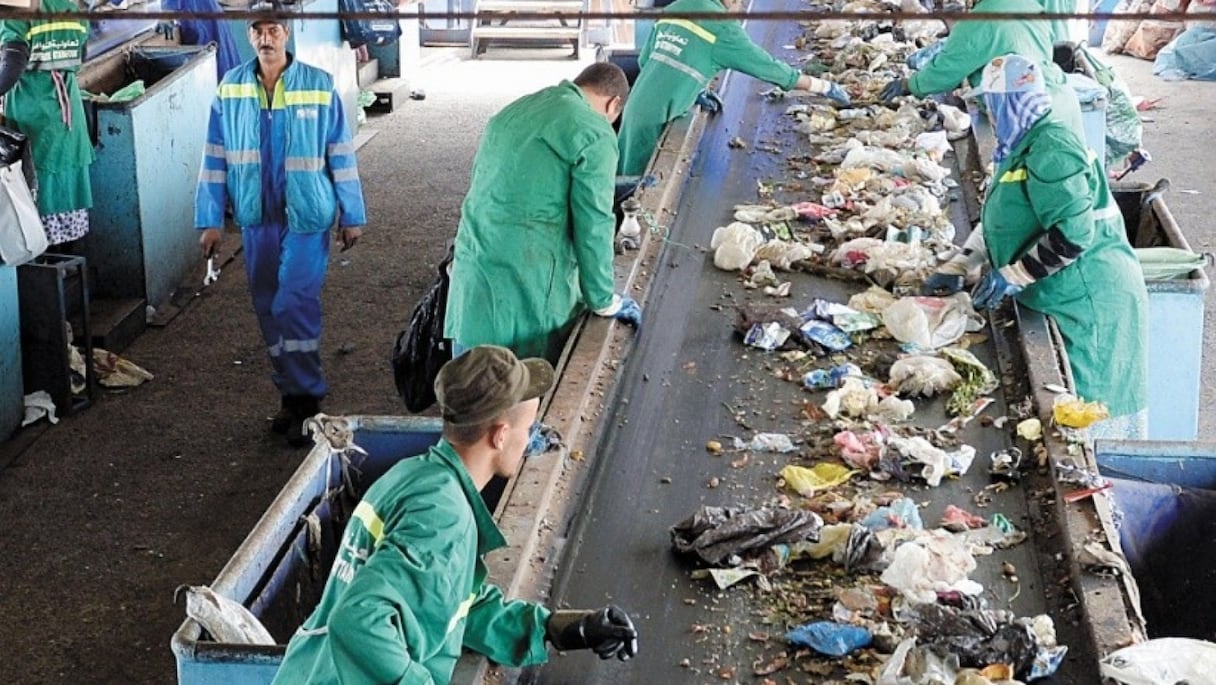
(11, 383)
(1175, 319)
(1166, 495)
(280, 570)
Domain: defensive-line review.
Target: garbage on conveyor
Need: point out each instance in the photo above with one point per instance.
(830, 639)
(723, 534)
(924, 376)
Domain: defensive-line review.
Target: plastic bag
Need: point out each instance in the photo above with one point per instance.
(1072, 412)
(715, 534)
(421, 350)
(1164, 661)
(902, 514)
(829, 638)
(931, 322)
(923, 375)
(226, 620)
(735, 246)
(807, 482)
(934, 562)
(1165, 263)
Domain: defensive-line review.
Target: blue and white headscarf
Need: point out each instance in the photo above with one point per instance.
(1016, 97)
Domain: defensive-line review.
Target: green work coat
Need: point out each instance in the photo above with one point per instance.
(62, 150)
(678, 62)
(534, 247)
(407, 589)
(1099, 301)
(971, 45)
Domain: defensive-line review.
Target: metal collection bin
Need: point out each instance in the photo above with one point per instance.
(276, 572)
(1166, 492)
(1175, 319)
(11, 384)
(148, 153)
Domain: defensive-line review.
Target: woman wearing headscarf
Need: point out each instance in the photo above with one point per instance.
(1055, 241)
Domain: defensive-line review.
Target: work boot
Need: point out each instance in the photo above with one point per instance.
(302, 407)
(282, 420)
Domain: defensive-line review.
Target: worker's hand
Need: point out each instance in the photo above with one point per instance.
(348, 236)
(209, 241)
(607, 632)
(941, 284)
(992, 289)
(709, 101)
(166, 29)
(895, 89)
(836, 94)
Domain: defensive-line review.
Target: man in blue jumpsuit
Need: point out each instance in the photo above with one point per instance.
(279, 150)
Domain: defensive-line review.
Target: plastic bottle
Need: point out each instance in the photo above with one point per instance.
(630, 228)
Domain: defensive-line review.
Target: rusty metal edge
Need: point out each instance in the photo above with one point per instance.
(542, 499)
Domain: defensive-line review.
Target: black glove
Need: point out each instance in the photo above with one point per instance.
(710, 101)
(894, 89)
(14, 56)
(608, 632)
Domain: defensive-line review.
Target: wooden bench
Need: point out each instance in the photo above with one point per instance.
(495, 29)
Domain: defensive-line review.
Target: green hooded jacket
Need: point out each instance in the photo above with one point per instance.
(1099, 302)
(971, 45)
(59, 137)
(534, 247)
(407, 589)
(678, 62)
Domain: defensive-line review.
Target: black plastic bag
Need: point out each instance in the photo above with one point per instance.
(421, 350)
(15, 147)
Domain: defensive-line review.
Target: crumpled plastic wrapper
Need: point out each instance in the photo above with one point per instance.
(857, 399)
(717, 534)
(979, 637)
(923, 375)
(937, 462)
(808, 481)
(782, 254)
(37, 405)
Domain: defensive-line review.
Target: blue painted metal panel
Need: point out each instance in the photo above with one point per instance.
(143, 243)
(1190, 464)
(11, 385)
(1175, 343)
(275, 559)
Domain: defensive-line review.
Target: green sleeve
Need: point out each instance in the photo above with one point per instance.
(735, 50)
(508, 632)
(14, 30)
(1058, 186)
(965, 52)
(591, 187)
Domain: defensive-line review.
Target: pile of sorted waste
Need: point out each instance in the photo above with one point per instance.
(839, 555)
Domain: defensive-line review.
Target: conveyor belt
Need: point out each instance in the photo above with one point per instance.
(686, 368)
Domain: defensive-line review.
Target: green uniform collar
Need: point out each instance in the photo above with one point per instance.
(489, 538)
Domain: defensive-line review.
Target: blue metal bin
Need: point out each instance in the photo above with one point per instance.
(280, 569)
(1165, 496)
(11, 383)
(1175, 319)
(143, 242)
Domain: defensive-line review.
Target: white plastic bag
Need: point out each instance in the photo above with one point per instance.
(226, 620)
(931, 322)
(22, 236)
(934, 562)
(735, 246)
(1164, 661)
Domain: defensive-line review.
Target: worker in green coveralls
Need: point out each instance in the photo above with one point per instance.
(38, 63)
(1054, 239)
(407, 590)
(679, 60)
(972, 44)
(534, 247)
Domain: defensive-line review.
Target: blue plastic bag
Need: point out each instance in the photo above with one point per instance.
(830, 639)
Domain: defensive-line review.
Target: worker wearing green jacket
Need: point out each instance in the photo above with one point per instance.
(973, 44)
(534, 247)
(407, 590)
(38, 63)
(1055, 240)
(679, 60)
